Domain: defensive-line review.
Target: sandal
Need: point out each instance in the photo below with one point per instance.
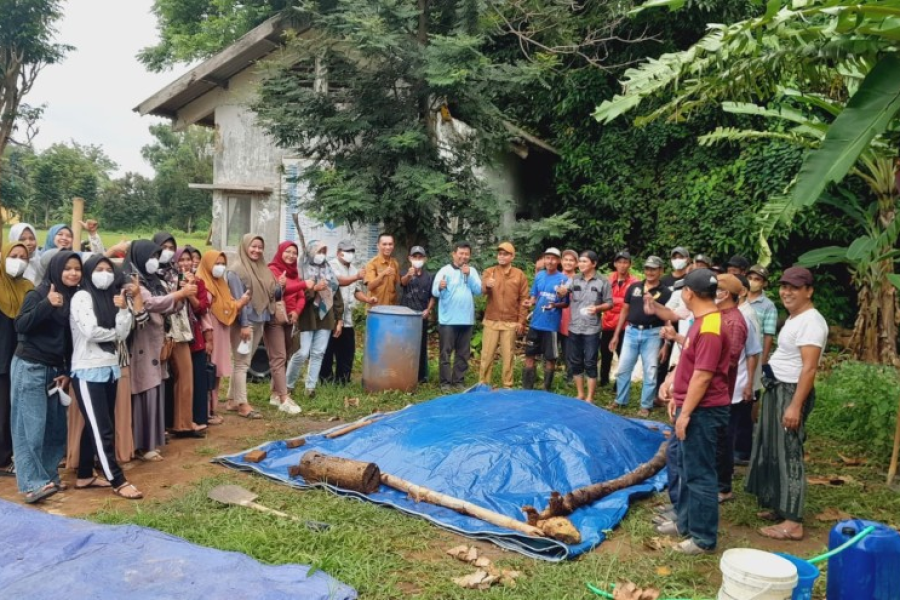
(776, 532)
(95, 482)
(8, 471)
(253, 414)
(61, 486)
(725, 497)
(216, 420)
(128, 491)
(152, 456)
(44, 492)
(768, 515)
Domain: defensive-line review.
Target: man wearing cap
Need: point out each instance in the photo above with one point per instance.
(416, 284)
(744, 348)
(702, 261)
(589, 296)
(641, 336)
(382, 274)
(737, 265)
(337, 363)
(455, 286)
(777, 474)
(680, 259)
(506, 288)
(699, 407)
(549, 295)
(619, 281)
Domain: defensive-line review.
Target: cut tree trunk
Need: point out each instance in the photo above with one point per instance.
(560, 506)
(344, 473)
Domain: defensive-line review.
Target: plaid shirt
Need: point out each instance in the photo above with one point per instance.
(767, 313)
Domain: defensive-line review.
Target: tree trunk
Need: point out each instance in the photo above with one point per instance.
(344, 473)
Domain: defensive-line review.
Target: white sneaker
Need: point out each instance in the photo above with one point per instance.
(290, 407)
(274, 400)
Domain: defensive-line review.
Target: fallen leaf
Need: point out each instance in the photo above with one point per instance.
(833, 514)
(508, 578)
(852, 461)
(479, 580)
(472, 555)
(458, 551)
(483, 562)
(629, 591)
(663, 571)
(348, 402)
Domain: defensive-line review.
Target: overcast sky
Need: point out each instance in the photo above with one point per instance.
(90, 95)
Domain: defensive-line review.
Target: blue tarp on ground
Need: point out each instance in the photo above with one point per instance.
(48, 556)
(499, 449)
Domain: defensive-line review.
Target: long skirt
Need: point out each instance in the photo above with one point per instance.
(777, 475)
(147, 415)
(124, 433)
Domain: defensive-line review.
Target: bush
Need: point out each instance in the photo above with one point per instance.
(857, 403)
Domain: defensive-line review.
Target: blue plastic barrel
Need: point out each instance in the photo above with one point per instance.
(807, 573)
(393, 343)
(869, 570)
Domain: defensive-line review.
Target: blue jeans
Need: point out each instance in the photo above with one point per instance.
(39, 425)
(644, 343)
(582, 354)
(698, 502)
(673, 469)
(313, 345)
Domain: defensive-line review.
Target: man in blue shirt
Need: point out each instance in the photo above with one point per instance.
(549, 295)
(455, 286)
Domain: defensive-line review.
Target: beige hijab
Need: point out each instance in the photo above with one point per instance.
(256, 276)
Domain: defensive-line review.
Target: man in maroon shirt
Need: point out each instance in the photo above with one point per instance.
(699, 406)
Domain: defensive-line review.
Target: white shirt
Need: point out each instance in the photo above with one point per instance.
(809, 328)
(87, 334)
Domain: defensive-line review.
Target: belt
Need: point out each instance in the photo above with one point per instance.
(643, 327)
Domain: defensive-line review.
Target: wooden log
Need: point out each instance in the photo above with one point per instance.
(351, 427)
(423, 494)
(560, 506)
(344, 473)
(255, 456)
(77, 218)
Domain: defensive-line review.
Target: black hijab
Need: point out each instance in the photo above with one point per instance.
(104, 307)
(139, 253)
(169, 271)
(53, 277)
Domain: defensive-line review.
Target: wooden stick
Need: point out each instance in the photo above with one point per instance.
(422, 494)
(77, 218)
(892, 470)
(349, 428)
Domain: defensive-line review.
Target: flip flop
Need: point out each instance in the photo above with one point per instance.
(780, 533)
(723, 498)
(136, 495)
(152, 456)
(8, 471)
(38, 495)
(216, 420)
(253, 414)
(95, 482)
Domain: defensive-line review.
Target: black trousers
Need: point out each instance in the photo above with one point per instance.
(97, 402)
(337, 364)
(200, 407)
(455, 340)
(606, 355)
(743, 435)
(423, 354)
(725, 445)
(6, 450)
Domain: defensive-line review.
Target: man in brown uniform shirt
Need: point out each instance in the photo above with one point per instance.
(383, 273)
(506, 288)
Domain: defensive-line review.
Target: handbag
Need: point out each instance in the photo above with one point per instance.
(180, 328)
(166, 350)
(280, 317)
(210, 371)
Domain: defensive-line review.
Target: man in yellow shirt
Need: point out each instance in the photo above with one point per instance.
(383, 273)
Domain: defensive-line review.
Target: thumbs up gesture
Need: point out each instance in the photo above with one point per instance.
(55, 298)
(443, 284)
(119, 300)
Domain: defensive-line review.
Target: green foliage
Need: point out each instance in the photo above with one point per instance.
(857, 403)
(128, 203)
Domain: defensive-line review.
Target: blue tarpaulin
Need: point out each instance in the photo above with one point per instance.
(499, 449)
(48, 556)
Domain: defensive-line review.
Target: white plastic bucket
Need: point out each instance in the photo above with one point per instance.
(749, 574)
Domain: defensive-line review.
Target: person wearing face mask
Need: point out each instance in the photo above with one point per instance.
(758, 277)
(147, 341)
(337, 363)
(284, 263)
(25, 233)
(321, 317)
(223, 312)
(680, 258)
(505, 315)
(100, 320)
(455, 286)
(13, 287)
(40, 370)
(417, 284)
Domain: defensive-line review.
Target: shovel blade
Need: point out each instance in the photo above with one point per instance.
(231, 494)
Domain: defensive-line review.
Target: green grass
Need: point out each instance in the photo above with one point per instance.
(110, 238)
(385, 554)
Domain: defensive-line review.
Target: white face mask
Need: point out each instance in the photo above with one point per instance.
(679, 263)
(755, 286)
(218, 271)
(418, 263)
(348, 257)
(319, 259)
(15, 267)
(165, 256)
(152, 266)
(102, 279)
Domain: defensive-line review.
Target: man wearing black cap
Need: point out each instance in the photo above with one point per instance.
(737, 265)
(619, 280)
(416, 284)
(699, 407)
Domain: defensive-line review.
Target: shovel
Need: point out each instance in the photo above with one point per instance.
(235, 494)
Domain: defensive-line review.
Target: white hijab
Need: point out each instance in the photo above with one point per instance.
(34, 272)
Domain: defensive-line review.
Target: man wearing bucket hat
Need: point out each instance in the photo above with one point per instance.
(505, 314)
(549, 295)
(699, 406)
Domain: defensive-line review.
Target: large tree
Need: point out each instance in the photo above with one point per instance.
(26, 46)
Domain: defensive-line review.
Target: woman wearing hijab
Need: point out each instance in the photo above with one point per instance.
(250, 273)
(25, 233)
(146, 345)
(101, 321)
(13, 287)
(39, 371)
(223, 312)
(59, 237)
(317, 321)
(195, 309)
(284, 264)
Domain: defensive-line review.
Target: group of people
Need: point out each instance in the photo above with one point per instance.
(142, 333)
